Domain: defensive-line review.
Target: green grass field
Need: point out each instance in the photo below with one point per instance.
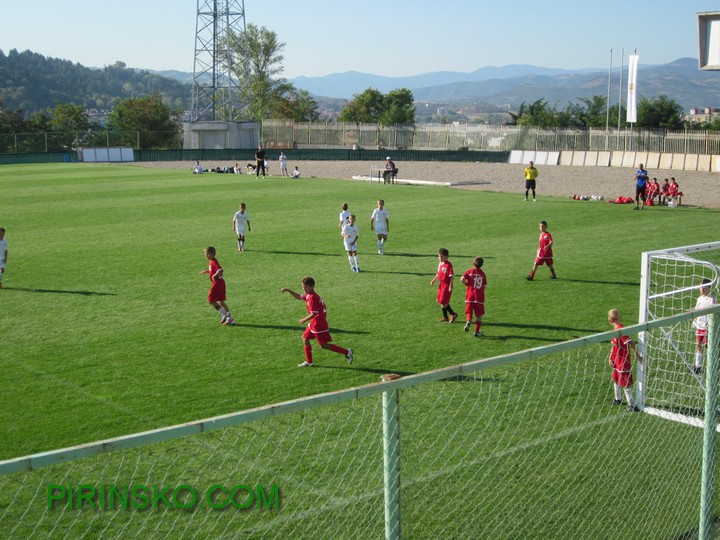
(106, 330)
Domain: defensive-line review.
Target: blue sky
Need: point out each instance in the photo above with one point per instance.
(380, 37)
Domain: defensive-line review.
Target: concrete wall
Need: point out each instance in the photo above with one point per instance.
(651, 160)
(220, 135)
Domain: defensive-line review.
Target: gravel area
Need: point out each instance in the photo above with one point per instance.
(699, 188)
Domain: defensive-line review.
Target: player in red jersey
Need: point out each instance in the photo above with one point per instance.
(545, 252)
(444, 277)
(317, 322)
(216, 296)
(620, 362)
(475, 281)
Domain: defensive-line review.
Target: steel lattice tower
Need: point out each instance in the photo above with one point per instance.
(215, 95)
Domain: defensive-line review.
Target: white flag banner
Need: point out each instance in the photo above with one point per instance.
(632, 89)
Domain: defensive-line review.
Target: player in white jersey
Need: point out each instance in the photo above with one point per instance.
(240, 221)
(3, 254)
(700, 323)
(380, 223)
(350, 234)
(344, 215)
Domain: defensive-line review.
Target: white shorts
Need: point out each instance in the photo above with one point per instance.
(381, 230)
(241, 232)
(349, 247)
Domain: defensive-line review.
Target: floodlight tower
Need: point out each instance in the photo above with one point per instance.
(215, 95)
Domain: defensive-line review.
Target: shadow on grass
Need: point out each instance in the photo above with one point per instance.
(396, 273)
(623, 283)
(430, 255)
(540, 327)
(296, 327)
(355, 367)
(58, 291)
(310, 253)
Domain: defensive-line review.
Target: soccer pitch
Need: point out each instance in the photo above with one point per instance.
(106, 330)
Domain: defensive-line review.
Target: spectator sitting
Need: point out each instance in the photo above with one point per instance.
(197, 169)
(236, 169)
(390, 171)
(675, 192)
(653, 190)
(295, 173)
(665, 192)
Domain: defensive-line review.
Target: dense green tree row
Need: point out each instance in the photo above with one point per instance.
(32, 83)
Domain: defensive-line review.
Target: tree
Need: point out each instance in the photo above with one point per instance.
(373, 107)
(364, 108)
(156, 122)
(594, 113)
(68, 117)
(399, 108)
(296, 105)
(659, 112)
(257, 64)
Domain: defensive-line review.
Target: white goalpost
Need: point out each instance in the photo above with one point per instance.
(670, 384)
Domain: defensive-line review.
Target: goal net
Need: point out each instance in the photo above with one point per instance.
(670, 381)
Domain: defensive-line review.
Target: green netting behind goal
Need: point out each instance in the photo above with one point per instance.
(670, 285)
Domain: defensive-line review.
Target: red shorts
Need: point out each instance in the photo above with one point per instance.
(322, 337)
(474, 308)
(543, 260)
(623, 378)
(217, 291)
(701, 337)
(443, 295)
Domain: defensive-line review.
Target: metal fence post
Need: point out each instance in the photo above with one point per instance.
(391, 461)
(707, 492)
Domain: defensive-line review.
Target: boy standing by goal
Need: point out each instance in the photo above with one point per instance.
(544, 253)
(475, 282)
(705, 300)
(317, 323)
(444, 277)
(241, 220)
(216, 296)
(620, 363)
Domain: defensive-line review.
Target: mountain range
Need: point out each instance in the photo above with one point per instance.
(509, 86)
(32, 83)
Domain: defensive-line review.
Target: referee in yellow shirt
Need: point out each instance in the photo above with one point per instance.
(530, 175)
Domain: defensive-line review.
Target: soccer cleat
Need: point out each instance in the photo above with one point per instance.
(443, 320)
(525, 199)
(467, 326)
(453, 317)
(697, 370)
(380, 251)
(553, 276)
(353, 269)
(617, 401)
(631, 408)
(349, 356)
(529, 278)
(357, 269)
(229, 321)
(306, 364)
(478, 334)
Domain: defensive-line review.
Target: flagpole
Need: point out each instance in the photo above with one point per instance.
(622, 66)
(607, 104)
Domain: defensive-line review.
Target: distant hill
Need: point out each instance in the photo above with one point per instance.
(33, 83)
(509, 86)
